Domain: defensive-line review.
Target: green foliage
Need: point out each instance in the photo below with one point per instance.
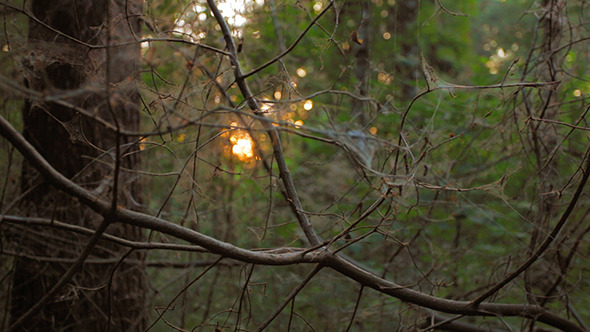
(472, 177)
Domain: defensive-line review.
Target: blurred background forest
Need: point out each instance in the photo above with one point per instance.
(439, 146)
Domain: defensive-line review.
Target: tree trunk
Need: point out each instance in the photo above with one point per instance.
(408, 65)
(545, 142)
(102, 82)
(362, 68)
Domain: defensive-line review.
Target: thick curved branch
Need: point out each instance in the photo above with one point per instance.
(285, 257)
(444, 305)
(36, 221)
(142, 220)
(353, 271)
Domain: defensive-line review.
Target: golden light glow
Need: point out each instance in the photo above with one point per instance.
(278, 95)
(577, 92)
(373, 130)
(317, 6)
(265, 107)
(301, 72)
(289, 116)
(493, 66)
(385, 78)
(386, 35)
(308, 105)
(242, 143)
(298, 123)
(243, 149)
(142, 143)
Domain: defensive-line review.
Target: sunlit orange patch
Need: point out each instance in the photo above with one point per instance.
(242, 144)
(142, 143)
(243, 149)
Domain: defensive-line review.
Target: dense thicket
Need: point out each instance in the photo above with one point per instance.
(306, 165)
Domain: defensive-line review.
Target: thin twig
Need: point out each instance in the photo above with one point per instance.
(285, 174)
(290, 48)
(184, 288)
(289, 297)
(548, 240)
(65, 278)
(288, 257)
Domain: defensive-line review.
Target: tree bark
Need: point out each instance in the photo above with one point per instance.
(362, 54)
(71, 53)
